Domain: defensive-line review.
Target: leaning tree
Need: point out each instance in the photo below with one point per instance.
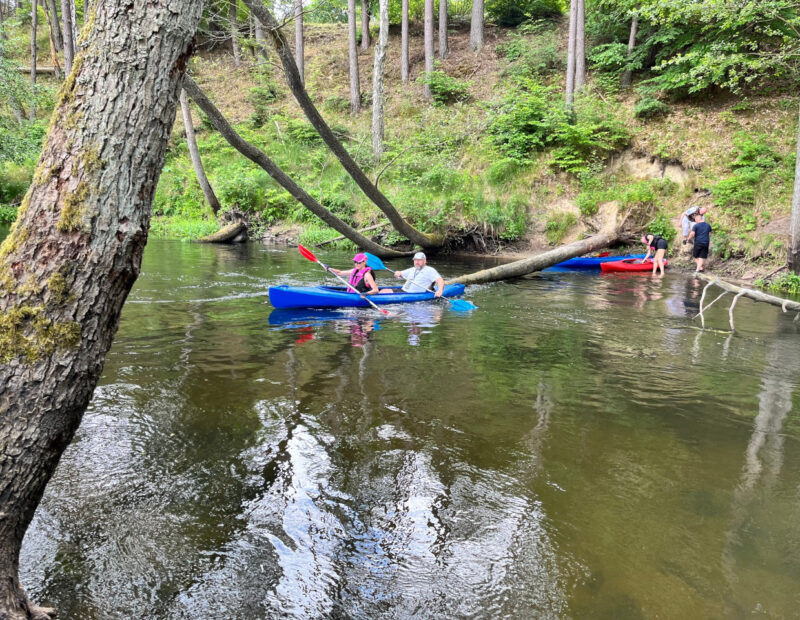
(76, 248)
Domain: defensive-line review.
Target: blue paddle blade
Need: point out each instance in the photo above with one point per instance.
(373, 262)
(462, 305)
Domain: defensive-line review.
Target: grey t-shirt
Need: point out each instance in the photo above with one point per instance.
(419, 280)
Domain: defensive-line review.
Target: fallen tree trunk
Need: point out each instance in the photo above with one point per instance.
(38, 69)
(540, 261)
(783, 304)
(226, 234)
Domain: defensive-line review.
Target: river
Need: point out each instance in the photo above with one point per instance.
(576, 447)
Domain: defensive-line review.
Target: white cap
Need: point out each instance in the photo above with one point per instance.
(419, 256)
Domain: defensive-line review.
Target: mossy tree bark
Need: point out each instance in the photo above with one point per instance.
(76, 247)
(337, 148)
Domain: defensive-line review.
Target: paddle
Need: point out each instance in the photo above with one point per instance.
(310, 256)
(462, 305)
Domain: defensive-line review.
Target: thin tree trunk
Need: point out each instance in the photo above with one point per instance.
(540, 261)
(573, 24)
(52, 21)
(194, 154)
(69, 42)
(34, 22)
(443, 48)
(377, 80)
(428, 46)
(627, 74)
(580, 46)
(476, 26)
(794, 224)
(76, 248)
(258, 157)
(54, 57)
(261, 43)
(365, 37)
(404, 42)
(301, 95)
(355, 85)
(299, 53)
(74, 23)
(233, 17)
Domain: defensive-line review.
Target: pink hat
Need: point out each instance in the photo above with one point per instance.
(359, 257)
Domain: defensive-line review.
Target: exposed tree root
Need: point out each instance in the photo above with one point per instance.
(226, 234)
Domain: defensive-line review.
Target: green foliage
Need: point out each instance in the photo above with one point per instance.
(558, 225)
(532, 54)
(181, 227)
(336, 103)
(662, 226)
(515, 12)
(786, 283)
(445, 89)
(647, 107)
(21, 143)
(7, 214)
(503, 170)
(14, 181)
(260, 97)
(302, 132)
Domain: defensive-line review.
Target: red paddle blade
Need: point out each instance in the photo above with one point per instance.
(307, 253)
(603, 254)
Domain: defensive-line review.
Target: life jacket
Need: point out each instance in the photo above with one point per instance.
(654, 243)
(357, 284)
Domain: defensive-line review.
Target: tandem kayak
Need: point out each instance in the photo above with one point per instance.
(336, 297)
(628, 265)
(580, 263)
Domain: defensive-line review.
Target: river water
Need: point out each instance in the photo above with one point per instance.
(576, 447)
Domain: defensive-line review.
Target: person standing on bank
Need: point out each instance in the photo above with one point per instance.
(687, 220)
(701, 232)
(362, 278)
(658, 247)
(420, 277)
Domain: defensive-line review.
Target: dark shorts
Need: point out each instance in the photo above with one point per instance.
(700, 250)
(661, 244)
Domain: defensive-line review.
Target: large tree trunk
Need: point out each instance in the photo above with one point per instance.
(194, 154)
(377, 80)
(794, 225)
(573, 25)
(76, 247)
(428, 46)
(365, 37)
(233, 17)
(368, 187)
(627, 74)
(299, 47)
(34, 22)
(404, 42)
(443, 47)
(355, 84)
(580, 46)
(476, 26)
(540, 261)
(69, 42)
(260, 158)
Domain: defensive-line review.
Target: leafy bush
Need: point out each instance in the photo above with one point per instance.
(14, 181)
(502, 170)
(336, 103)
(647, 107)
(302, 132)
(558, 225)
(7, 214)
(259, 97)
(514, 12)
(532, 55)
(786, 283)
(445, 89)
(662, 226)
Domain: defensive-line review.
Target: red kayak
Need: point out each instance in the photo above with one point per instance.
(628, 265)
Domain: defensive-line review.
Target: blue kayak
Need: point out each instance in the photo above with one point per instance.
(336, 297)
(580, 263)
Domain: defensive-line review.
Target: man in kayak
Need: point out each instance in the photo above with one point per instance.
(658, 247)
(419, 278)
(362, 278)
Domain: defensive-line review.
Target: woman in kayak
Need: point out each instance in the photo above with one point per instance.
(658, 247)
(362, 278)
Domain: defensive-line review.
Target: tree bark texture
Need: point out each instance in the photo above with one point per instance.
(299, 47)
(794, 222)
(233, 17)
(69, 42)
(476, 26)
(573, 24)
(443, 47)
(194, 154)
(74, 23)
(365, 36)
(34, 21)
(428, 46)
(540, 261)
(260, 158)
(355, 84)
(377, 80)
(315, 118)
(580, 46)
(75, 250)
(404, 42)
(627, 74)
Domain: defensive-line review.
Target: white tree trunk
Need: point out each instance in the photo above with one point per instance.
(428, 46)
(443, 48)
(404, 42)
(573, 23)
(627, 74)
(476, 26)
(194, 155)
(34, 20)
(299, 42)
(377, 80)
(794, 225)
(261, 42)
(233, 16)
(355, 85)
(580, 46)
(74, 22)
(365, 38)
(69, 42)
